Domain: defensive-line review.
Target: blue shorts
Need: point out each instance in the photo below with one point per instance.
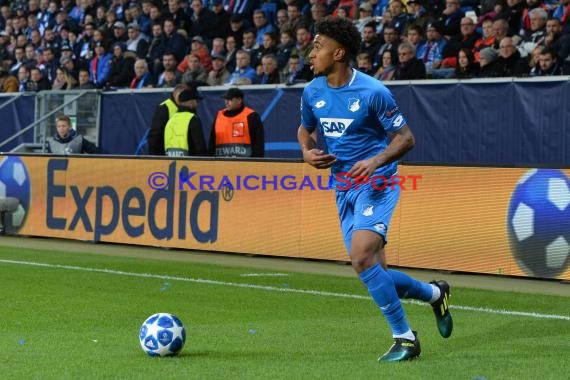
(366, 209)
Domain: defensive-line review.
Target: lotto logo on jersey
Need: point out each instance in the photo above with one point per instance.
(334, 127)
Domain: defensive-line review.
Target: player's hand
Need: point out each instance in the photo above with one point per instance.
(318, 158)
(364, 168)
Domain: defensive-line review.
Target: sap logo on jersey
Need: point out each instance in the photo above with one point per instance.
(333, 127)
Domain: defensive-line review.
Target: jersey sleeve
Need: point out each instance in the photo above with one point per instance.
(387, 111)
(308, 119)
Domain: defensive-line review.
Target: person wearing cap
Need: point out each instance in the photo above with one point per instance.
(162, 113)
(183, 134)
(487, 58)
(218, 75)
(200, 50)
(119, 32)
(365, 16)
(100, 65)
(418, 14)
(237, 130)
(67, 141)
(136, 42)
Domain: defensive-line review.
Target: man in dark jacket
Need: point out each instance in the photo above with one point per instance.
(510, 63)
(163, 112)
(410, 67)
(122, 67)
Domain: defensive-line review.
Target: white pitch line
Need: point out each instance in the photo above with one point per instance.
(264, 275)
(274, 289)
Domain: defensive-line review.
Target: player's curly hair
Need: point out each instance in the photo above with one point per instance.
(341, 30)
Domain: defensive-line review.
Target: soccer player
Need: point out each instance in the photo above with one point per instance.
(364, 134)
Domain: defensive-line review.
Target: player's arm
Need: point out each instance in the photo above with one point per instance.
(311, 155)
(402, 142)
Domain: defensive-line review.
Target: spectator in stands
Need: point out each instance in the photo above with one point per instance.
(140, 18)
(38, 81)
(364, 63)
(237, 130)
(500, 30)
(199, 50)
(244, 73)
(156, 49)
(170, 78)
(143, 77)
(294, 18)
(466, 67)
(511, 13)
(162, 113)
(537, 32)
(510, 63)
(281, 20)
(284, 49)
(202, 21)
(415, 35)
(171, 40)
(136, 42)
(8, 82)
(63, 80)
(294, 72)
(450, 18)
(180, 20)
(24, 83)
(400, 17)
(365, 16)
(410, 67)
(269, 46)
(270, 71)
(262, 26)
(218, 75)
(370, 42)
(391, 42)
(487, 40)
(533, 63)
(19, 56)
(122, 67)
(85, 80)
(218, 47)
(487, 63)
(195, 74)
(67, 141)
(418, 14)
(183, 134)
(220, 20)
(388, 69)
(549, 64)
(231, 50)
(434, 47)
(169, 64)
(100, 65)
(556, 39)
(50, 64)
(237, 28)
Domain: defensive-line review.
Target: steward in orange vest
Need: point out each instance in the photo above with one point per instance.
(237, 130)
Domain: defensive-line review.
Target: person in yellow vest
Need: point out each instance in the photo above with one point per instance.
(162, 114)
(183, 134)
(238, 130)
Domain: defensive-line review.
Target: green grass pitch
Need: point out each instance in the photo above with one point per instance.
(69, 315)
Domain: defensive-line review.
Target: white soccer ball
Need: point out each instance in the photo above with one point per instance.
(162, 334)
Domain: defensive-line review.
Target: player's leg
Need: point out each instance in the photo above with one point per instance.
(366, 260)
(371, 216)
(437, 293)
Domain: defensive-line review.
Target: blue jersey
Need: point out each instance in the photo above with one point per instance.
(354, 120)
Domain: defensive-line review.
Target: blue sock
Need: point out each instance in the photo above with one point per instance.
(381, 287)
(408, 287)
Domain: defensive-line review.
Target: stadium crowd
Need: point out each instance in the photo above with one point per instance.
(112, 44)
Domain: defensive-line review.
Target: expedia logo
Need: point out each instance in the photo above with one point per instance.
(335, 127)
